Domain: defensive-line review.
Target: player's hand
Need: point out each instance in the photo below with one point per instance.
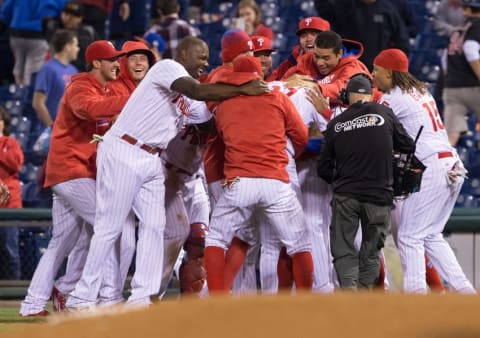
(255, 87)
(317, 99)
(124, 11)
(4, 194)
(298, 80)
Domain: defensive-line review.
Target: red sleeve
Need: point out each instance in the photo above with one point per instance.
(11, 157)
(87, 104)
(340, 79)
(294, 126)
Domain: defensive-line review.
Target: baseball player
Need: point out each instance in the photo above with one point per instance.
(256, 179)
(130, 172)
(133, 67)
(423, 214)
(235, 43)
(183, 160)
(307, 31)
(70, 170)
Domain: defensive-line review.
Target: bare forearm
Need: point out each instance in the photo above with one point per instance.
(43, 115)
(215, 92)
(476, 68)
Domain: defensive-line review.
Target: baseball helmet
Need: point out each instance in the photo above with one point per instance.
(471, 3)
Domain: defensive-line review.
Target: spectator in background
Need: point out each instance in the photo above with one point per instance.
(171, 28)
(375, 23)
(250, 12)
(97, 12)
(449, 17)
(28, 43)
(407, 13)
(11, 161)
(462, 86)
(71, 17)
(55, 75)
(155, 43)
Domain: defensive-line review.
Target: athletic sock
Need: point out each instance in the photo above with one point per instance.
(433, 279)
(302, 267)
(234, 258)
(215, 266)
(284, 270)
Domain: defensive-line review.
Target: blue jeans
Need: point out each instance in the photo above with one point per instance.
(9, 253)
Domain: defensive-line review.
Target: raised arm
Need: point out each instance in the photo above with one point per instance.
(216, 92)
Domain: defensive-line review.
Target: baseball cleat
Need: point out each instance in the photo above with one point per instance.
(42, 313)
(58, 300)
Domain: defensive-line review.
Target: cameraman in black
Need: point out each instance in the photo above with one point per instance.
(356, 158)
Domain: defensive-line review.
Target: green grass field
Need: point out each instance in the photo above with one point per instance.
(9, 317)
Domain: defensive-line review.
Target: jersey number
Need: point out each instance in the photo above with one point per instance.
(432, 110)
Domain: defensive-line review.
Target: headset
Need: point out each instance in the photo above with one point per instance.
(343, 94)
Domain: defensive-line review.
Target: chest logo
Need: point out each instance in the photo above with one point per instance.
(364, 121)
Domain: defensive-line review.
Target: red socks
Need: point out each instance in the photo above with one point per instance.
(234, 259)
(302, 264)
(284, 270)
(433, 279)
(215, 266)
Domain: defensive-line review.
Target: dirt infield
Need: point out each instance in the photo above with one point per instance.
(339, 315)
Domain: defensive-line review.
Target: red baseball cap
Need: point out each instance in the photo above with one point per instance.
(235, 42)
(245, 69)
(138, 47)
(261, 43)
(314, 23)
(101, 49)
(393, 58)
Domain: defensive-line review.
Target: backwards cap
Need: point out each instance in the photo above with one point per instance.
(234, 43)
(134, 47)
(245, 69)
(393, 59)
(359, 83)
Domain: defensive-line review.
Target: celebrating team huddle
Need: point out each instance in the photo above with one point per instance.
(208, 177)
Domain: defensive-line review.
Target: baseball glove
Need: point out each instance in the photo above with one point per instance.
(4, 194)
(192, 275)
(407, 175)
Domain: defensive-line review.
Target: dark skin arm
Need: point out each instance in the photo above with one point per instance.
(216, 92)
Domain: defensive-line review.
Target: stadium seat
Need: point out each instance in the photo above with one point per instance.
(14, 92)
(14, 107)
(269, 9)
(22, 139)
(23, 125)
(466, 201)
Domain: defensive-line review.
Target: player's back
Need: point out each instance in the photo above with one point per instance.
(416, 110)
(253, 130)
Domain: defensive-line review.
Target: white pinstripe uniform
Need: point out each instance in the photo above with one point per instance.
(73, 211)
(270, 248)
(425, 213)
(129, 177)
(185, 195)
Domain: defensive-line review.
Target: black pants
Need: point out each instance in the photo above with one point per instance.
(357, 269)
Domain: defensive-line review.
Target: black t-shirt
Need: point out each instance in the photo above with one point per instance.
(459, 71)
(356, 156)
